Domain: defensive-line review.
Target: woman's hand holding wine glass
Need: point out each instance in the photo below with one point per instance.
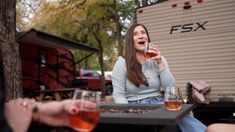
(88, 110)
(152, 52)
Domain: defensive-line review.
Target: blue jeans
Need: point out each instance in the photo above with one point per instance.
(187, 124)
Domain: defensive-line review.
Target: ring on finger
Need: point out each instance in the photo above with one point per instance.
(24, 104)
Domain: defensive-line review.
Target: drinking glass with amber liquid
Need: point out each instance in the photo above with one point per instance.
(88, 110)
(172, 99)
(149, 52)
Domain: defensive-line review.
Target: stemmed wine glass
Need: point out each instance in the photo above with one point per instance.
(172, 99)
(89, 113)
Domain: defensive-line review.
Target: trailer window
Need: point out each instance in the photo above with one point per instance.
(43, 60)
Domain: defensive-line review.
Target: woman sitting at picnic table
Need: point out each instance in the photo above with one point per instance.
(137, 80)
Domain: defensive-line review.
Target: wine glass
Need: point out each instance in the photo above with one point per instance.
(172, 99)
(148, 51)
(88, 114)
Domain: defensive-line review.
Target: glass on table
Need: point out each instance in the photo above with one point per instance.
(172, 99)
(89, 113)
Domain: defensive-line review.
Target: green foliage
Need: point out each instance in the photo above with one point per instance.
(82, 20)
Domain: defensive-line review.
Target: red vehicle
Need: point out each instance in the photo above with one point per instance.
(91, 80)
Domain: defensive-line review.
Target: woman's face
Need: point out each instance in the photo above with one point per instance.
(140, 38)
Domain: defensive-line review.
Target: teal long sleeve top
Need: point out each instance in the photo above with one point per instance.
(124, 90)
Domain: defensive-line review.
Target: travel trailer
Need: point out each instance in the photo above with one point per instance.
(197, 37)
(47, 62)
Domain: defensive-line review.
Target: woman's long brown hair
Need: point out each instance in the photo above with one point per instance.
(134, 68)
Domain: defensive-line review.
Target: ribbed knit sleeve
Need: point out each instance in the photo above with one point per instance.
(119, 80)
(166, 77)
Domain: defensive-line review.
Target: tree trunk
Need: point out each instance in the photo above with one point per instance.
(118, 30)
(10, 49)
(103, 92)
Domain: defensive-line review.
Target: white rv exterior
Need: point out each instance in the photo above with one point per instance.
(199, 42)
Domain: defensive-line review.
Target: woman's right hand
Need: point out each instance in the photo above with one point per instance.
(57, 113)
(156, 51)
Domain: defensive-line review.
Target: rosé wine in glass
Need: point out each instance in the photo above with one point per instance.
(88, 115)
(172, 99)
(148, 52)
(173, 105)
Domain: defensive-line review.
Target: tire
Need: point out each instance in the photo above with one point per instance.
(109, 89)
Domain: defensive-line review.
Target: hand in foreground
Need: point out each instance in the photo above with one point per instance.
(56, 113)
(18, 113)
